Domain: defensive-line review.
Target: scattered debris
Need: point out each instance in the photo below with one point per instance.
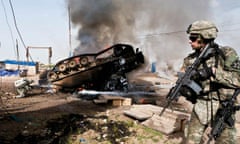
(37, 110)
(23, 86)
(59, 129)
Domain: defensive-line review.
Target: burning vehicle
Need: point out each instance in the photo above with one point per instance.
(105, 70)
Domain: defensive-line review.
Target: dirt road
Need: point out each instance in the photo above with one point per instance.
(42, 118)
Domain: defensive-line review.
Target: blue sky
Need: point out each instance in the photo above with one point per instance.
(226, 17)
(44, 23)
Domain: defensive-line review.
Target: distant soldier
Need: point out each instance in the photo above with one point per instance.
(217, 84)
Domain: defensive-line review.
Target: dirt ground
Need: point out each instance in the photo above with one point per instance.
(43, 117)
(49, 118)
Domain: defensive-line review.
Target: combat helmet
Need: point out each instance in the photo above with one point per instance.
(206, 29)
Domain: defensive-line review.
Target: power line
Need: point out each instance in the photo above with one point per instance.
(181, 31)
(9, 27)
(15, 23)
(161, 34)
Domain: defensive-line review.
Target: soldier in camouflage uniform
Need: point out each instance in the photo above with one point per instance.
(217, 83)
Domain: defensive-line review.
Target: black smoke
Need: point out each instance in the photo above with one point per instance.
(157, 26)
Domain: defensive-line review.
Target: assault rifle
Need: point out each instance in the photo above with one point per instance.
(224, 116)
(184, 80)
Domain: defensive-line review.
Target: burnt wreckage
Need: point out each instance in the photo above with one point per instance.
(105, 70)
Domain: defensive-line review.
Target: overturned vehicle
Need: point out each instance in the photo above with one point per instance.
(105, 70)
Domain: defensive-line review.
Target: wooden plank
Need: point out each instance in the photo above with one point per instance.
(122, 102)
(100, 101)
(141, 112)
(169, 122)
(157, 110)
(138, 114)
(109, 97)
(163, 124)
(114, 100)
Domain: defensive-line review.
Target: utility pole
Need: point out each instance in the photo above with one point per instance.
(69, 30)
(17, 53)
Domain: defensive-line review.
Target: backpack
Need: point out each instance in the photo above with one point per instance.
(231, 59)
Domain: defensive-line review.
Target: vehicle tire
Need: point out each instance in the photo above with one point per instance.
(84, 61)
(72, 64)
(52, 76)
(62, 67)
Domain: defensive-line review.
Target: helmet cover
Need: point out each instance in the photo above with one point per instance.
(206, 29)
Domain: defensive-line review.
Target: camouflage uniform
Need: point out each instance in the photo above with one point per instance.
(207, 106)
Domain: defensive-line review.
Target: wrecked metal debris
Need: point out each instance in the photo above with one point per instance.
(104, 70)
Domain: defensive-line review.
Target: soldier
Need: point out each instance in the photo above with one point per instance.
(217, 83)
